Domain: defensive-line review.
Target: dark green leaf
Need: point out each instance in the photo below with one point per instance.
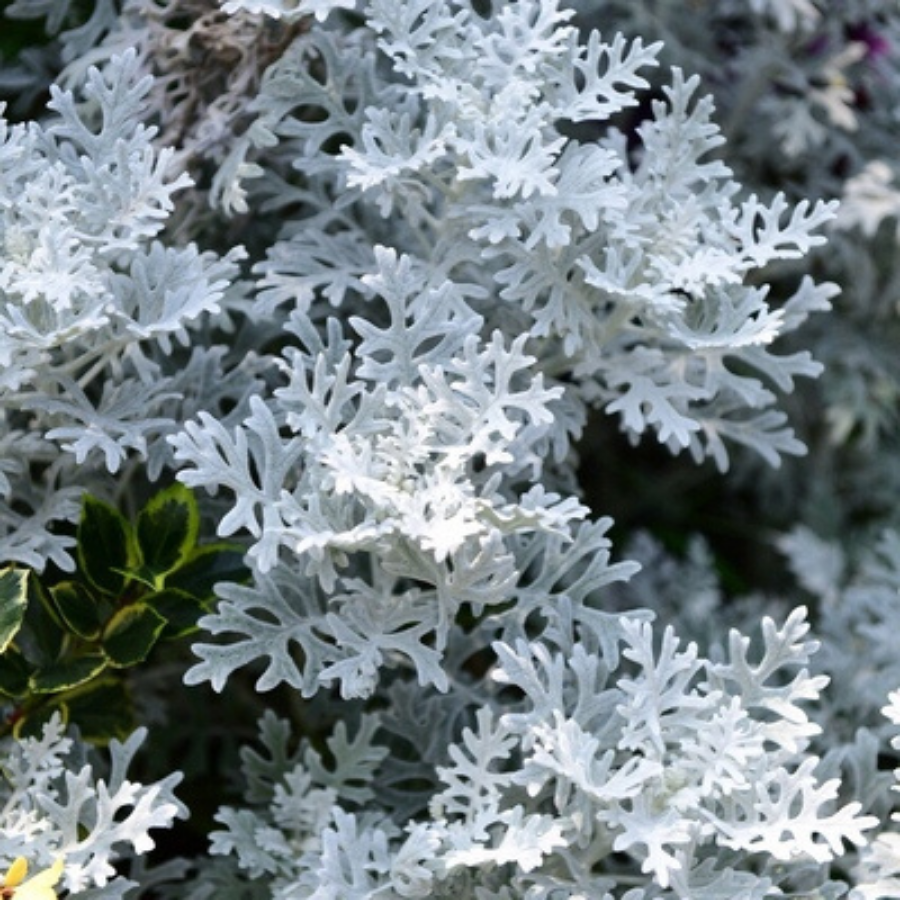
(14, 673)
(167, 529)
(81, 611)
(179, 608)
(67, 673)
(101, 709)
(131, 633)
(13, 602)
(32, 723)
(105, 544)
(207, 566)
(41, 636)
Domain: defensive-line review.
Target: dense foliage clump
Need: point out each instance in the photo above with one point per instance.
(337, 342)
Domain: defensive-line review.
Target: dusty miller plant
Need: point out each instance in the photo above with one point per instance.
(440, 238)
(819, 82)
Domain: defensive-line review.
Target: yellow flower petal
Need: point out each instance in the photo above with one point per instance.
(16, 872)
(39, 887)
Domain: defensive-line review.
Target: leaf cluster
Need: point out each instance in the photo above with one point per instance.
(67, 641)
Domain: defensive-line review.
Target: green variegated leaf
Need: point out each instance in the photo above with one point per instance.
(105, 546)
(131, 634)
(42, 635)
(15, 673)
(167, 529)
(13, 602)
(179, 609)
(81, 611)
(102, 709)
(67, 673)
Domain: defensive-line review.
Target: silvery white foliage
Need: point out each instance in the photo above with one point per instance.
(790, 15)
(830, 103)
(858, 596)
(398, 490)
(410, 465)
(310, 639)
(824, 88)
(30, 509)
(288, 9)
(350, 85)
(75, 40)
(878, 874)
(870, 197)
(821, 85)
(56, 803)
(852, 592)
(697, 316)
(372, 627)
(299, 791)
(655, 768)
(419, 457)
(206, 66)
(632, 264)
(93, 305)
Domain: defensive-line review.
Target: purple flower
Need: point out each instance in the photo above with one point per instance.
(877, 45)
